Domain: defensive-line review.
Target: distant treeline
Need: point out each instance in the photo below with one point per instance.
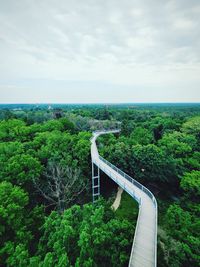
(100, 105)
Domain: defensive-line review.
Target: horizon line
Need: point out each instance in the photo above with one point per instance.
(94, 103)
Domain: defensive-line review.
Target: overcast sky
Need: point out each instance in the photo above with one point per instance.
(86, 51)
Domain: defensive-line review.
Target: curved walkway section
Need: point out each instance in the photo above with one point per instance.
(144, 248)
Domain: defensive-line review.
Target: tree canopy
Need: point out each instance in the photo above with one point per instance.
(46, 215)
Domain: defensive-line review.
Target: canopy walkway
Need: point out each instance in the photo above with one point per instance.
(144, 248)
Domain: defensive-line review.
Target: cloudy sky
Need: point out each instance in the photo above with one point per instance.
(74, 51)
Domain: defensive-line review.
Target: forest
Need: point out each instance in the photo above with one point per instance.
(47, 217)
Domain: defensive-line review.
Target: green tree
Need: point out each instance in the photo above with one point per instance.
(79, 236)
(183, 228)
(160, 125)
(118, 154)
(11, 130)
(21, 169)
(13, 201)
(178, 222)
(150, 163)
(127, 127)
(171, 252)
(178, 144)
(192, 126)
(190, 183)
(54, 145)
(67, 125)
(193, 161)
(141, 136)
(8, 150)
(81, 151)
(19, 256)
(53, 125)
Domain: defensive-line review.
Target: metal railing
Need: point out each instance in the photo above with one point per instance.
(141, 187)
(107, 131)
(130, 179)
(132, 193)
(122, 185)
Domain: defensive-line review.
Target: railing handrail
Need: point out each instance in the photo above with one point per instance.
(107, 131)
(145, 190)
(136, 183)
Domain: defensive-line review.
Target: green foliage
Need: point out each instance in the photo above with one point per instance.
(171, 164)
(19, 256)
(120, 153)
(192, 126)
(48, 260)
(151, 163)
(81, 150)
(178, 221)
(177, 144)
(127, 127)
(67, 125)
(12, 130)
(21, 169)
(9, 149)
(160, 125)
(148, 163)
(24, 161)
(193, 162)
(17, 225)
(63, 147)
(141, 136)
(190, 183)
(79, 236)
(172, 253)
(116, 150)
(13, 200)
(183, 228)
(52, 125)
(128, 208)
(150, 147)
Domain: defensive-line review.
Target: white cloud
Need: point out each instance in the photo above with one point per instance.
(120, 43)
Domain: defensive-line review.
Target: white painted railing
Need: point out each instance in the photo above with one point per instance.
(114, 173)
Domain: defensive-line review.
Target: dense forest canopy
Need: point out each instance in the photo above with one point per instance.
(46, 215)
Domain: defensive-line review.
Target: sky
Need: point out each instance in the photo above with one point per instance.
(99, 51)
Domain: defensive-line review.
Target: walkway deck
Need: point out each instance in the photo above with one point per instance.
(144, 248)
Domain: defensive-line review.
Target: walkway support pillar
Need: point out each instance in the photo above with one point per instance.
(95, 182)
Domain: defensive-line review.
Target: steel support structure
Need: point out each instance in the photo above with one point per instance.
(95, 182)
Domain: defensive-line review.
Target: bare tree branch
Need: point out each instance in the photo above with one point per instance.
(62, 186)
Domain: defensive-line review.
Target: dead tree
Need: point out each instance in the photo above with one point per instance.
(62, 185)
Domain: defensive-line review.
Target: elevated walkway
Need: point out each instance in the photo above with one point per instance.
(144, 248)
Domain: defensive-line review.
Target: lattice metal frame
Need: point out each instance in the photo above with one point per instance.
(95, 182)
